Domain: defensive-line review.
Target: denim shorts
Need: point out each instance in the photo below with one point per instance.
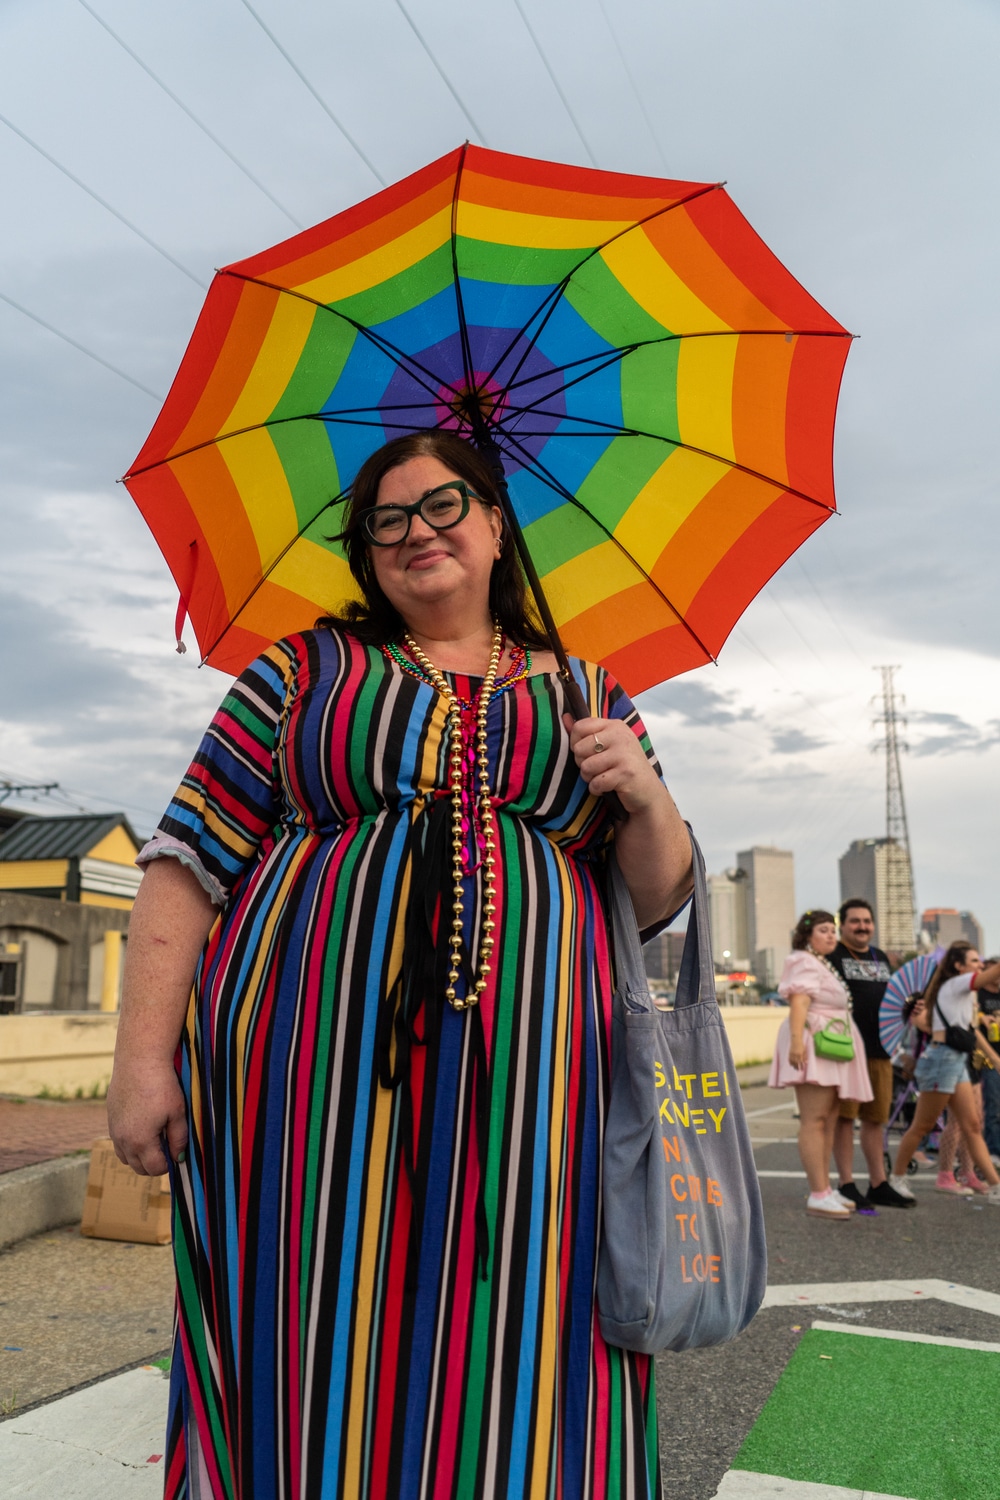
(941, 1069)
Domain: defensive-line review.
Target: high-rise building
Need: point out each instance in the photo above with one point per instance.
(727, 898)
(875, 869)
(662, 955)
(770, 908)
(945, 924)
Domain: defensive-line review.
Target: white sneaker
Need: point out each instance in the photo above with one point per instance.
(992, 1195)
(848, 1203)
(901, 1186)
(827, 1205)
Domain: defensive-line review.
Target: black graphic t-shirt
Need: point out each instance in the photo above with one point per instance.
(866, 977)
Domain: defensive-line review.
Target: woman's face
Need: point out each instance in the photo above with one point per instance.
(823, 938)
(432, 567)
(970, 962)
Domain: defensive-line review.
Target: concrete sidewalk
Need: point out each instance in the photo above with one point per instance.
(104, 1442)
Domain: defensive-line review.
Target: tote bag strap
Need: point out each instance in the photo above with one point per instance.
(696, 980)
(630, 971)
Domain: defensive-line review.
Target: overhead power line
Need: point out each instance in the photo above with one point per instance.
(555, 82)
(50, 328)
(191, 115)
(318, 97)
(441, 73)
(102, 201)
(632, 83)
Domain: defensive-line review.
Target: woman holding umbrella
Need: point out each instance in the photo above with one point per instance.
(384, 1102)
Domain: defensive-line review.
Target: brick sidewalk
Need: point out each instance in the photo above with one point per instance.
(34, 1130)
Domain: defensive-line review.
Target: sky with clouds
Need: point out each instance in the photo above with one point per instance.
(142, 146)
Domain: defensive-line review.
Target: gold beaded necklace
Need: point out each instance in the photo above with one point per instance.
(485, 807)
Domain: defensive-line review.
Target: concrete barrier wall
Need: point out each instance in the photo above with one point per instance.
(752, 1029)
(63, 1054)
(70, 1053)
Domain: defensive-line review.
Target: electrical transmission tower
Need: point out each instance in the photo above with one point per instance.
(897, 924)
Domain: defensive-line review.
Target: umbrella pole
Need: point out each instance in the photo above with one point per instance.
(575, 700)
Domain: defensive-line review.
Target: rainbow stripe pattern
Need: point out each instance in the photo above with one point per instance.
(339, 1335)
(662, 390)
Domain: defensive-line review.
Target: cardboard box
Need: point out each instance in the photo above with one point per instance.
(119, 1205)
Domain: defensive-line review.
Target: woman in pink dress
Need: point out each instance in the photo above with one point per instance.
(816, 995)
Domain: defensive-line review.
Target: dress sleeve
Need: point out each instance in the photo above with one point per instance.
(800, 976)
(616, 704)
(228, 800)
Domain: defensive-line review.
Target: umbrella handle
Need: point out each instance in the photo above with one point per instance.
(575, 700)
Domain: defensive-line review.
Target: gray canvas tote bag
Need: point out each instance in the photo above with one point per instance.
(682, 1261)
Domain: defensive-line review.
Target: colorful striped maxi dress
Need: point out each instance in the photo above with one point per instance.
(386, 1226)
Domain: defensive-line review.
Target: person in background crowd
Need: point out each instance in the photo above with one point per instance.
(965, 1182)
(942, 1074)
(817, 996)
(866, 972)
(988, 996)
(916, 1037)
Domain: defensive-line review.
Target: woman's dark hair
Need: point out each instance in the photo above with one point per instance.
(946, 969)
(372, 618)
(806, 923)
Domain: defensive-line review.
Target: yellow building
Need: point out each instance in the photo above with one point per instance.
(67, 886)
(87, 858)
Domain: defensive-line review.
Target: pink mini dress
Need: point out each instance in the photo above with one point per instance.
(804, 974)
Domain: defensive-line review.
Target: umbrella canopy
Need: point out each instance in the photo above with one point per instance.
(661, 390)
(909, 979)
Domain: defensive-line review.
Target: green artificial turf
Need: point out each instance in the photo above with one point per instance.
(898, 1418)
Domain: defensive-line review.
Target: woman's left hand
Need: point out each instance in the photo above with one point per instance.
(611, 759)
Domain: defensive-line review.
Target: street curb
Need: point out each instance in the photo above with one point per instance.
(46, 1196)
(84, 1385)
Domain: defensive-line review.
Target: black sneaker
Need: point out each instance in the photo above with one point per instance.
(885, 1196)
(851, 1190)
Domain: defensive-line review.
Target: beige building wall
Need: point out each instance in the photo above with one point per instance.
(770, 906)
(727, 897)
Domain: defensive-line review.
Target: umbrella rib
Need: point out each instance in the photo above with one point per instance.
(606, 429)
(557, 292)
(265, 575)
(463, 327)
(406, 361)
(622, 350)
(560, 489)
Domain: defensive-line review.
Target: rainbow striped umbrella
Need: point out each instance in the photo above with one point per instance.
(662, 392)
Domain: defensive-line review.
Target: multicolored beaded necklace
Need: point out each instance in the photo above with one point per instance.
(472, 823)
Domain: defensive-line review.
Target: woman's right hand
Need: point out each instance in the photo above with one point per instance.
(145, 1103)
(797, 1053)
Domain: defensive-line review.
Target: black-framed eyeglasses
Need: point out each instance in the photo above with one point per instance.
(440, 508)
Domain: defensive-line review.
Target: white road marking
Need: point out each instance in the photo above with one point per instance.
(775, 1109)
(741, 1484)
(907, 1338)
(796, 1294)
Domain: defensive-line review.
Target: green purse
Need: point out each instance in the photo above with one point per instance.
(834, 1041)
